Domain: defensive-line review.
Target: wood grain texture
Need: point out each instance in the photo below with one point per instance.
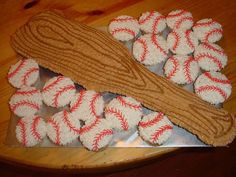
(96, 14)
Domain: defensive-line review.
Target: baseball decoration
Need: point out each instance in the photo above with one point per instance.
(208, 30)
(182, 42)
(181, 69)
(58, 91)
(211, 57)
(26, 101)
(150, 49)
(124, 113)
(98, 137)
(23, 73)
(155, 128)
(179, 19)
(87, 104)
(213, 87)
(30, 130)
(152, 22)
(124, 28)
(63, 128)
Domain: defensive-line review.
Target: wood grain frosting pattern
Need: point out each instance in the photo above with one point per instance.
(95, 60)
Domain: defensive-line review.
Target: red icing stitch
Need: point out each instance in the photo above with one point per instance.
(155, 23)
(144, 46)
(180, 21)
(209, 56)
(24, 103)
(92, 104)
(118, 114)
(175, 67)
(87, 128)
(21, 124)
(152, 122)
(30, 92)
(60, 92)
(209, 76)
(125, 103)
(22, 63)
(49, 86)
(68, 123)
(99, 137)
(187, 69)
(177, 38)
(34, 131)
(79, 101)
(142, 21)
(212, 88)
(126, 30)
(125, 19)
(27, 74)
(181, 12)
(56, 128)
(154, 40)
(204, 24)
(189, 41)
(214, 31)
(211, 47)
(159, 132)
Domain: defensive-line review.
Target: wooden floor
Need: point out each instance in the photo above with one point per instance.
(199, 162)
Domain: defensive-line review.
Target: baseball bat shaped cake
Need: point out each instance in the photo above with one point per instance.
(95, 60)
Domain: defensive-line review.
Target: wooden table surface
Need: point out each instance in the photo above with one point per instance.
(98, 13)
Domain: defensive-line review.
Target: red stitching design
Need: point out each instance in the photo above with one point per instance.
(187, 68)
(212, 88)
(26, 103)
(211, 47)
(87, 128)
(34, 132)
(160, 131)
(126, 30)
(92, 104)
(68, 123)
(48, 87)
(99, 137)
(154, 40)
(177, 38)
(214, 31)
(155, 23)
(175, 68)
(125, 19)
(21, 124)
(17, 69)
(144, 44)
(147, 18)
(30, 92)
(55, 99)
(79, 101)
(56, 126)
(204, 24)
(176, 14)
(190, 43)
(209, 76)
(209, 56)
(125, 103)
(27, 74)
(180, 21)
(118, 114)
(152, 122)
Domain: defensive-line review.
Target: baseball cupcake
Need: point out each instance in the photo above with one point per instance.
(150, 49)
(155, 128)
(123, 113)
(181, 69)
(24, 73)
(26, 101)
(213, 87)
(124, 28)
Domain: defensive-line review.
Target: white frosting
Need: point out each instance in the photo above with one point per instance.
(204, 27)
(26, 101)
(98, 137)
(211, 57)
(155, 128)
(30, 130)
(152, 22)
(24, 72)
(179, 19)
(63, 128)
(211, 90)
(123, 113)
(182, 42)
(124, 28)
(87, 104)
(150, 49)
(181, 69)
(58, 91)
